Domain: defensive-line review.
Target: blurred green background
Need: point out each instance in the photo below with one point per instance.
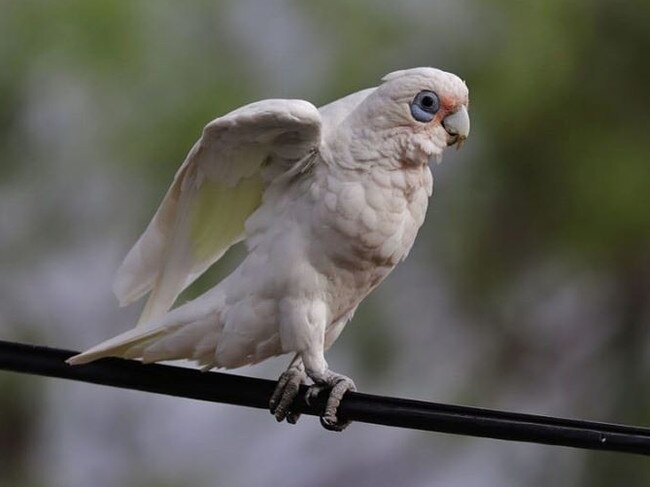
(528, 288)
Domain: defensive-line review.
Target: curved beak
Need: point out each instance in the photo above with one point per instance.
(457, 126)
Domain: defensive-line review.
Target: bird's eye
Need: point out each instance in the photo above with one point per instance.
(424, 106)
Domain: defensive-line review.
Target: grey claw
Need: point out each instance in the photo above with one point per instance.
(292, 418)
(284, 394)
(329, 419)
(333, 424)
(339, 385)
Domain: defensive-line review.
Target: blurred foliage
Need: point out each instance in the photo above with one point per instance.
(564, 111)
(559, 155)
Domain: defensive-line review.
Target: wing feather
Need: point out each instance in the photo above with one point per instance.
(217, 188)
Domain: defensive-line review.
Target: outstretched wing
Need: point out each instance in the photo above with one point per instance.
(215, 190)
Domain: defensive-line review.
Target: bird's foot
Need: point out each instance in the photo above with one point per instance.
(285, 392)
(338, 384)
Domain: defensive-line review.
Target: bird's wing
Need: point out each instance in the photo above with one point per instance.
(216, 189)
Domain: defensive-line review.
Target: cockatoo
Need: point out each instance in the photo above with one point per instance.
(328, 201)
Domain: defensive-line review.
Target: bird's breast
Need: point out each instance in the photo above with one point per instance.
(366, 222)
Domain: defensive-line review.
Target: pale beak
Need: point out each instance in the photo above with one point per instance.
(457, 126)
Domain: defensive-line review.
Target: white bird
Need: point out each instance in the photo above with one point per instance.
(328, 202)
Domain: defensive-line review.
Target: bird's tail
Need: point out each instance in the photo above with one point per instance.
(130, 344)
(187, 332)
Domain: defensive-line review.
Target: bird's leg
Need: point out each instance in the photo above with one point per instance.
(303, 326)
(338, 384)
(287, 390)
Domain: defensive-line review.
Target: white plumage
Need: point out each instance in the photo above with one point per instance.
(327, 200)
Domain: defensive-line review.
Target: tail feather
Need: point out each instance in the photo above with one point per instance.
(126, 345)
(190, 331)
(194, 341)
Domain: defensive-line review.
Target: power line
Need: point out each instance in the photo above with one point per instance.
(389, 411)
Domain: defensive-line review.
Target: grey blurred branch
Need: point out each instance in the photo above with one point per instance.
(389, 411)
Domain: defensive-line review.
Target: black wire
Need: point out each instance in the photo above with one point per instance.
(389, 411)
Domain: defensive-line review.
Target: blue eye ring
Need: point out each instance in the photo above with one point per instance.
(424, 106)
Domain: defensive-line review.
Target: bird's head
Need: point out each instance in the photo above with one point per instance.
(413, 116)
